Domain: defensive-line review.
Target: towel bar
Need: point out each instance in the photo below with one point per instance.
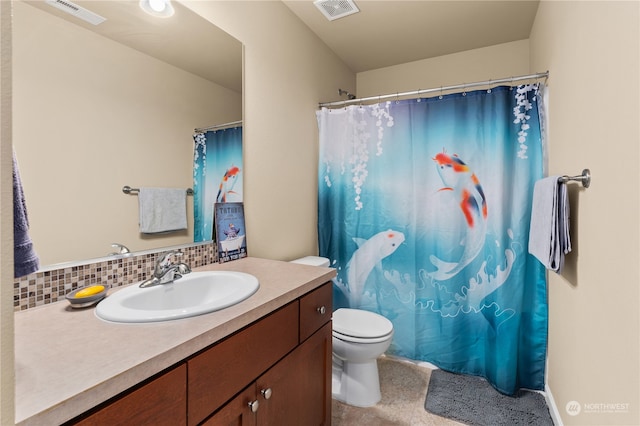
(129, 190)
(585, 178)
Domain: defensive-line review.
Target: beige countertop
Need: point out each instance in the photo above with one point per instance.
(68, 360)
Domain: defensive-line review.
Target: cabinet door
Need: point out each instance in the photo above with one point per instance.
(236, 412)
(297, 390)
(162, 401)
(315, 378)
(222, 371)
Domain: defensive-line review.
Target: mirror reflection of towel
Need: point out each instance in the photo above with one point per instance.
(162, 210)
(549, 238)
(25, 259)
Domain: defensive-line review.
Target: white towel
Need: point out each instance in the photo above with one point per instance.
(549, 238)
(162, 210)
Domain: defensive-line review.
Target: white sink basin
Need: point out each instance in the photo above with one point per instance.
(194, 294)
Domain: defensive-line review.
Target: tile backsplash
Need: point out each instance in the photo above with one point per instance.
(41, 288)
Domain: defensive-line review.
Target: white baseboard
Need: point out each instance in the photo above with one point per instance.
(553, 409)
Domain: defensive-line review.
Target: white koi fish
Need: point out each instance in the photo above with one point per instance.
(457, 177)
(367, 256)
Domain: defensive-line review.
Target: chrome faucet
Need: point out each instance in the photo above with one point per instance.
(166, 272)
(122, 249)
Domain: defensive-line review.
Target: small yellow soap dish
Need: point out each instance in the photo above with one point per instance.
(87, 296)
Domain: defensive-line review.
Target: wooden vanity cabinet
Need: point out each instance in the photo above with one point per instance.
(297, 389)
(226, 368)
(276, 371)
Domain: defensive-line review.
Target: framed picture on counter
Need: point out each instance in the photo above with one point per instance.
(230, 233)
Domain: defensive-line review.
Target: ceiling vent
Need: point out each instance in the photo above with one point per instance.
(334, 9)
(77, 11)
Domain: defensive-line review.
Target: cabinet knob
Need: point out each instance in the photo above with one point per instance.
(254, 406)
(266, 393)
(321, 310)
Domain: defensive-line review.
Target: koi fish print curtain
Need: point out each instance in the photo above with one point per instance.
(217, 176)
(424, 209)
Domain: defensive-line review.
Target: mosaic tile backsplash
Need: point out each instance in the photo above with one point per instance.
(41, 288)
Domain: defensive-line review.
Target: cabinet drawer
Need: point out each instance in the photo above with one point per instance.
(220, 372)
(312, 314)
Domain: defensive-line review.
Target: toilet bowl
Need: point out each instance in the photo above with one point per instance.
(359, 337)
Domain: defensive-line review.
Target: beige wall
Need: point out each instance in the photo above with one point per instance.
(90, 116)
(288, 71)
(6, 222)
(502, 60)
(592, 52)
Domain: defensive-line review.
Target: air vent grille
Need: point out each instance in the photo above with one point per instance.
(77, 11)
(334, 9)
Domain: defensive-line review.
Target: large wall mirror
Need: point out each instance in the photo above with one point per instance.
(98, 107)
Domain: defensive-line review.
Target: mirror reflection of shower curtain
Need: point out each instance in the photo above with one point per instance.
(217, 176)
(424, 208)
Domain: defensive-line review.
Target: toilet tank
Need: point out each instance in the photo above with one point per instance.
(312, 260)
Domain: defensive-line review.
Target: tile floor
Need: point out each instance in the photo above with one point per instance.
(403, 385)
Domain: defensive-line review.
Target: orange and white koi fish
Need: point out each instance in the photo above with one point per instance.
(227, 183)
(457, 177)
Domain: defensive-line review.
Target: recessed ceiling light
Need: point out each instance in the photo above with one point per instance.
(159, 8)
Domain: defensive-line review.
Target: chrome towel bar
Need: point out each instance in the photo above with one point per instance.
(129, 190)
(585, 178)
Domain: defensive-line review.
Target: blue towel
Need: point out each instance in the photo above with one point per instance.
(25, 259)
(549, 239)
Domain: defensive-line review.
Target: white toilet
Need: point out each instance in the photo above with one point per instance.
(359, 338)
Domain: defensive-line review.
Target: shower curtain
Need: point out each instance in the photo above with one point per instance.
(217, 176)
(424, 208)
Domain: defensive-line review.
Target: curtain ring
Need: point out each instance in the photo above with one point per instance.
(397, 98)
(464, 89)
(419, 100)
(489, 89)
(440, 97)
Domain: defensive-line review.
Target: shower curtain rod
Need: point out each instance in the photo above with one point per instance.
(438, 89)
(217, 126)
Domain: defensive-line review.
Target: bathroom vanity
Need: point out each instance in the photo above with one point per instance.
(266, 360)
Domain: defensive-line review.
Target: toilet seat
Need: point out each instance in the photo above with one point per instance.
(356, 325)
(363, 340)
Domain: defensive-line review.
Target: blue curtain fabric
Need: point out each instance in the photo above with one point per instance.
(217, 176)
(424, 209)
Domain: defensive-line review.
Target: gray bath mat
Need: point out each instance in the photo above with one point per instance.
(472, 400)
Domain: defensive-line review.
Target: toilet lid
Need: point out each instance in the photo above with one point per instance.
(360, 323)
